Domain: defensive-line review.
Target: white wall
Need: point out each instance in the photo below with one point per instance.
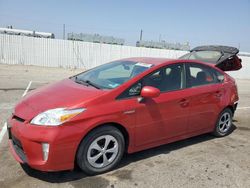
(66, 53)
(75, 54)
(244, 72)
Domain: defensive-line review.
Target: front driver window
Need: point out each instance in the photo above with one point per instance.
(168, 78)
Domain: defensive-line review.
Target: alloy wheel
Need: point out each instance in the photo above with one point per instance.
(225, 122)
(102, 151)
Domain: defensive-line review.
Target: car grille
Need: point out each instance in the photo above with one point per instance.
(18, 118)
(19, 148)
(17, 142)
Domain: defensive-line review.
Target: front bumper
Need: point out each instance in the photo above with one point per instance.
(26, 140)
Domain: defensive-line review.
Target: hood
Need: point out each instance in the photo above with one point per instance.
(65, 93)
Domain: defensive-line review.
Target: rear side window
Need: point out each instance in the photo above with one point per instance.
(198, 75)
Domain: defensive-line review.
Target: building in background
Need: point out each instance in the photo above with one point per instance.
(95, 38)
(163, 45)
(10, 31)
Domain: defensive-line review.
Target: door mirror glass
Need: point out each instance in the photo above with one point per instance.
(150, 92)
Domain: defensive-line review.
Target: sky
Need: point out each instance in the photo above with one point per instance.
(199, 22)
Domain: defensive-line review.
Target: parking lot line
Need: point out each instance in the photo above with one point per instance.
(27, 88)
(243, 108)
(3, 131)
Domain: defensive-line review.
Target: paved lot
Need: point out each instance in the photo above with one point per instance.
(203, 161)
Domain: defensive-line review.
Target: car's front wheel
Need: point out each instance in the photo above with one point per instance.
(101, 150)
(224, 123)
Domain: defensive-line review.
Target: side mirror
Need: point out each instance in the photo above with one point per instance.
(150, 92)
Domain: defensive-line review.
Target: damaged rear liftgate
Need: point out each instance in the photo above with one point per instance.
(223, 57)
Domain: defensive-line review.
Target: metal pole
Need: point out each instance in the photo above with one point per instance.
(63, 31)
(141, 35)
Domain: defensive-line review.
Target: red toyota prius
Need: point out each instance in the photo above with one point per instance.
(128, 105)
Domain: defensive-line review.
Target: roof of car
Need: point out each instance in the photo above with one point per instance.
(157, 61)
(149, 60)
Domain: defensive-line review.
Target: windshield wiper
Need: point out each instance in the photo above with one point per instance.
(86, 82)
(92, 84)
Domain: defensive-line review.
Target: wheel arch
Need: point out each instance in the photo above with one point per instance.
(121, 128)
(230, 107)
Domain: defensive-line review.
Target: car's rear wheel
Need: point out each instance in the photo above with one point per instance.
(101, 150)
(224, 123)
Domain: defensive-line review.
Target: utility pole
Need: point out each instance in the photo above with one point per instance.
(141, 35)
(63, 31)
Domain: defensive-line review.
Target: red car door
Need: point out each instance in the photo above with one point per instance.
(161, 118)
(204, 94)
(164, 116)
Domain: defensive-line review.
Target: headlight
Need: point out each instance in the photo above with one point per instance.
(56, 116)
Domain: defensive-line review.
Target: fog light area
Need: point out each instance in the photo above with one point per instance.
(45, 148)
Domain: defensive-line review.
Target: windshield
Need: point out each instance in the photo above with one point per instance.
(206, 56)
(111, 75)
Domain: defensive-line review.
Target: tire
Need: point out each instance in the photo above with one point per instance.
(224, 123)
(101, 150)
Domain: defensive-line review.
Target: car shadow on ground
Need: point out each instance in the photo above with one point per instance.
(76, 174)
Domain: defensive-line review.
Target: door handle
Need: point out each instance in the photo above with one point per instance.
(184, 102)
(129, 111)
